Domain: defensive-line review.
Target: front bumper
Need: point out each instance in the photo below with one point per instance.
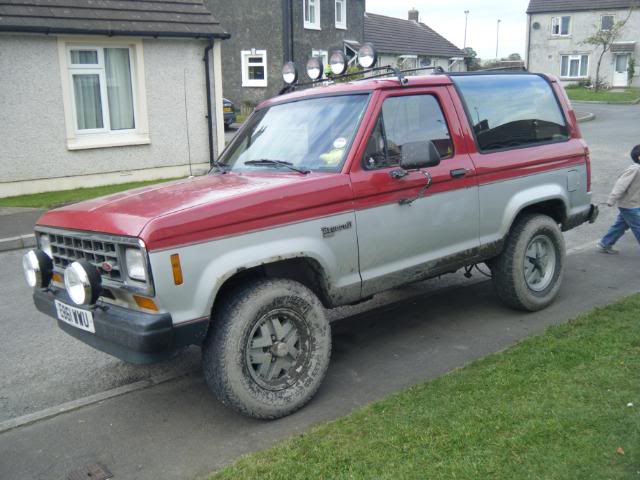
(229, 118)
(129, 335)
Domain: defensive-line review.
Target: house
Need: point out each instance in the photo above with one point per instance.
(556, 31)
(410, 43)
(103, 92)
(269, 33)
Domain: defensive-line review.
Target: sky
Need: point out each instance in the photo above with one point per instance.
(447, 18)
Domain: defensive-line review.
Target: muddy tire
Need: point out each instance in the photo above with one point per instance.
(268, 348)
(528, 273)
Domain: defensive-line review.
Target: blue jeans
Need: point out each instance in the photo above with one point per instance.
(628, 218)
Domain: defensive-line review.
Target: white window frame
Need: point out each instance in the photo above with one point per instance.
(578, 57)
(557, 22)
(306, 14)
(613, 21)
(342, 6)
(246, 81)
(102, 137)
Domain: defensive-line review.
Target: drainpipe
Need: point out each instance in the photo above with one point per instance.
(207, 79)
(528, 42)
(287, 30)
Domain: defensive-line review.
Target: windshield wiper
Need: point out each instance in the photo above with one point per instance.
(219, 167)
(276, 163)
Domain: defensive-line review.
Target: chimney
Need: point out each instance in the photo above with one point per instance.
(414, 14)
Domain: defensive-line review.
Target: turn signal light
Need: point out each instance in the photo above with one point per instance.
(57, 278)
(145, 302)
(177, 269)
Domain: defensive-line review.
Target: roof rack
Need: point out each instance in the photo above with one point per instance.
(381, 72)
(488, 71)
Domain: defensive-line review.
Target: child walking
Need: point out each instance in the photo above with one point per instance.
(625, 193)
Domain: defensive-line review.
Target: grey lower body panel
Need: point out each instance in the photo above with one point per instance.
(132, 336)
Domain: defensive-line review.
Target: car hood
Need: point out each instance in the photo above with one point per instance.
(171, 213)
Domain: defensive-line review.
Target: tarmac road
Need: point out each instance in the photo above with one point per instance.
(177, 429)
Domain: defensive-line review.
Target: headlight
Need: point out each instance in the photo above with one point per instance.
(83, 282)
(38, 268)
(135, 264)
(45, 245)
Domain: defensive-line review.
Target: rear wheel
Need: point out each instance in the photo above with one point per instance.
(268, 348)
(528, 273)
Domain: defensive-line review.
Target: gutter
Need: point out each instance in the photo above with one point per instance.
(111, 33)
(207, 81)
(287, 30)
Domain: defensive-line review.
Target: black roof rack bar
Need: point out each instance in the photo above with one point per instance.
(388, 70)
(489, 71)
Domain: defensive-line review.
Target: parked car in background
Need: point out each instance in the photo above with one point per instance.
(229, 110)
(325, 198)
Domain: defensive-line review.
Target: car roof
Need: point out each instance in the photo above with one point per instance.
(358, 86)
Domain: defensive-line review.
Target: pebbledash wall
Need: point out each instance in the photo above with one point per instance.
(545, 50)
(35, 154)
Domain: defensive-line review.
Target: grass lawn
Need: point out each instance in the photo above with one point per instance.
(610, 96)
(552, 407)
(64, 197)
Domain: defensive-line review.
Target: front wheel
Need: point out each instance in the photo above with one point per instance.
(528, 273)
(268, 348)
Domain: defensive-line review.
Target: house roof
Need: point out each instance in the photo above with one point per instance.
(548, 6)
(406, 37)
(154, 18)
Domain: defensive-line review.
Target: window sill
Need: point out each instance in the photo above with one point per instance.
(107, 140)
(310, 26)
(341, 27)
(572, 79)
(254, 85)
(559, 37)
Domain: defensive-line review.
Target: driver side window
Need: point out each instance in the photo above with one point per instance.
(406, 119)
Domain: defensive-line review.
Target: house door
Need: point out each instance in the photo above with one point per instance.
(620, 78)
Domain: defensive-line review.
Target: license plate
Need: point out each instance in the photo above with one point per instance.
(228, 109)
(82, 319)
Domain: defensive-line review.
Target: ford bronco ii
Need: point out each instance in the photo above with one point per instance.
(325, 197)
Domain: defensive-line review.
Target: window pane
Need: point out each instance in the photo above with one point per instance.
(607, 22)
(414, 118)
(374, 155)
(555, 26)
(511, 110)
(584, 64)
(256, 73)
(86, 89)
(338, 11)
(564, 69)
(573, 67)
(119, 90)
(565, 25)
(254, 59)
(621, 63)
(84, 57)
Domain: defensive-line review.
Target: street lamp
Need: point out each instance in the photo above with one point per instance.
(466, 17)
(497, 37)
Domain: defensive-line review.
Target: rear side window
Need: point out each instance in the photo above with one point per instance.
(405, 119)
(511, 111)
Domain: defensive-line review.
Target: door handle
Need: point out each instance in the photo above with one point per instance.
(458, 172)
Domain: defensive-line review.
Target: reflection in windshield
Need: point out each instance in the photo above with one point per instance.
(310, 134)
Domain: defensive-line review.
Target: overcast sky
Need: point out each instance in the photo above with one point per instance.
(447, 18)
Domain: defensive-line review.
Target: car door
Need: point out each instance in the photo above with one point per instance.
(400, 242)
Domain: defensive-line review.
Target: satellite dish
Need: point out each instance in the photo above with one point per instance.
(536, 26)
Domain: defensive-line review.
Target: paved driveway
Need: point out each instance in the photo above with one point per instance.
(177, 429)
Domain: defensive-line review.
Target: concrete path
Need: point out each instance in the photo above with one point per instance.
(177, 430)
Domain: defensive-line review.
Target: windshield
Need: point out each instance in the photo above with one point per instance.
(312, 134)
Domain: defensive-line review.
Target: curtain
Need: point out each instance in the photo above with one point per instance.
(88, 103)
(119, 89)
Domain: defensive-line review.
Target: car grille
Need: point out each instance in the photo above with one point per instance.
(102, 254)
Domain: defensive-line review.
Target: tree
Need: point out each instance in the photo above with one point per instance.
(514, 57)
(604, 39)
(471, 59)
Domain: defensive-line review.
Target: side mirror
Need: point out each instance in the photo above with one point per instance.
(417, 155)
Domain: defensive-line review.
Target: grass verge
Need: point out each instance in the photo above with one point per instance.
(610, 96)
(554, 406)
(64, 197)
